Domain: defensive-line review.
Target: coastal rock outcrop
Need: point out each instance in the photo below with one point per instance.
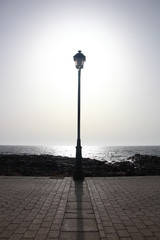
(56, 166)
(145, 164)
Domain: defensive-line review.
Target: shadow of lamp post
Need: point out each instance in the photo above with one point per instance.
(79, 59)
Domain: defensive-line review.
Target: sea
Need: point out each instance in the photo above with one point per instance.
(101, 153)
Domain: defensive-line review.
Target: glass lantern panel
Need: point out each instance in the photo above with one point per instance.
(79, 63)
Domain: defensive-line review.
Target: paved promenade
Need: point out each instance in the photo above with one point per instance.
(39, 208)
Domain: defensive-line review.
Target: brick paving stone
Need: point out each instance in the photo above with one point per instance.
(43, 231)
(39, 237)
(37, 221)
(148, 222)
(12, 227)
(154, 228)
(34, 227)
(151, 238)
(2, 229)
(140, 225)
(109, 230)
(115, 208)
(56, 227)
(86, 225)
(112, 236)
(16, 237)
(116, 220)
(79, 235)
(79, 214)
(53, 234)
(126, 238)
(79, 205)
(157, 234)
(146, 232)
(46, 224)
(6, 234)
(102, 234)
(119, 226)
(21, 229)
(137, 236)
(128, 223)
(4, 223)
(123, 233)
(25, 224)
(132, 229)
(30, 234)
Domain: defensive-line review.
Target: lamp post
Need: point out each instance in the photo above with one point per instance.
(79, 59)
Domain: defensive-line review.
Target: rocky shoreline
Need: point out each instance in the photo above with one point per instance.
(57, 166)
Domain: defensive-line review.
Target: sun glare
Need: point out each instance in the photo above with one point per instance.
(53, 67)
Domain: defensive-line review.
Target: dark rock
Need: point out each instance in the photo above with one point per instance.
(46, 165)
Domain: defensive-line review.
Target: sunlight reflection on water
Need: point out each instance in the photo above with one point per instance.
(94, 152)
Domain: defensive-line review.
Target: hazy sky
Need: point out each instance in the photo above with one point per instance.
(120, 79)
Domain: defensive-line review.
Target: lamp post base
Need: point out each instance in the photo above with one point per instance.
(78, 173)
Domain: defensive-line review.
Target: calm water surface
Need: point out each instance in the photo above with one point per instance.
(95, 152)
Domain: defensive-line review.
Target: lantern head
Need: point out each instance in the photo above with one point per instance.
(79, 59)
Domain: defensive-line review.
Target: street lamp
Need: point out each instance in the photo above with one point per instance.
(79, 59)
